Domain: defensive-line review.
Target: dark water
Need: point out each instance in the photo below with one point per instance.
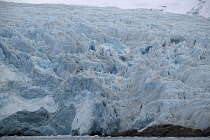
(96, 138)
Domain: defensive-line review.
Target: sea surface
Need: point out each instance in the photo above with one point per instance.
(96, 138)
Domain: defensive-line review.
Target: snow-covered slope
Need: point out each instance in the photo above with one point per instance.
(205, 9)
(78, 70)
(198, 7)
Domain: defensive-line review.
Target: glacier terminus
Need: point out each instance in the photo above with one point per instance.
(78, 70)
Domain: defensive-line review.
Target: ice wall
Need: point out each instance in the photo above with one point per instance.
(80, 70)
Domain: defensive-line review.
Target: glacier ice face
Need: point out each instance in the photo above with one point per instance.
(80, 70)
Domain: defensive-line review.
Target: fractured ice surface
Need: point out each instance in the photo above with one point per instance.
(80, 70)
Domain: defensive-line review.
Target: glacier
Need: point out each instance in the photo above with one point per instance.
(192, 7)
(78, 70)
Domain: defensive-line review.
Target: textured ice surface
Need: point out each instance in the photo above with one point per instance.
(79, 70)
